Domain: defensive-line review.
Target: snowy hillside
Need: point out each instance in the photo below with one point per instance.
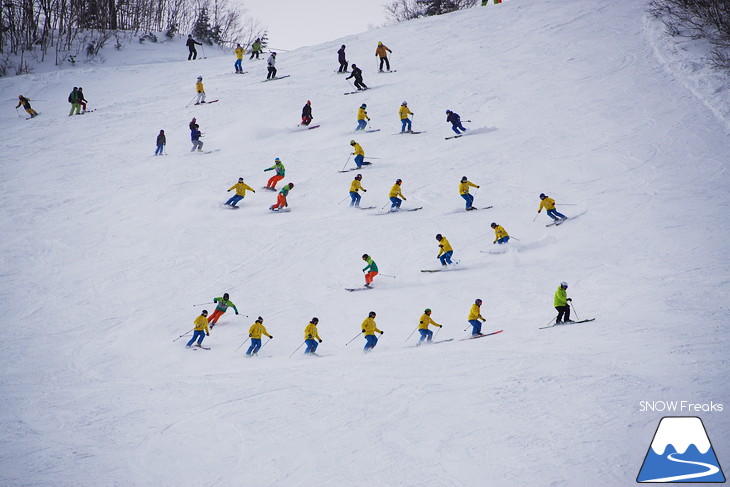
(106, 249)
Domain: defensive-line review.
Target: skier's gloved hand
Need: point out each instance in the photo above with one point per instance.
(569, 299)
(365, 190)
(270, 337)
(249, 335)
(320, 340)
(382, 332)
(236, 312)
(309, 336)
(228, 191)
(363, 331)
(207, 334)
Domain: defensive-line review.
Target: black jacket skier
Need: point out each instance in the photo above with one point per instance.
(342, 60)
(357, 74)
(193, 53)
(307, 113)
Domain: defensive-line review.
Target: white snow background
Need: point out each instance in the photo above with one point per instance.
(105, 249)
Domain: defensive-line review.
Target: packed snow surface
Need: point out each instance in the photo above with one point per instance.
(106, 249)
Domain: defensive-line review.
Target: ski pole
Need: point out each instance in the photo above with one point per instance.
(384, 206)
(203, 48)
(548, 323)
(17, 112)
(387, 275)
(202, 304)
(535, 217)
(567, 204)
(346, 344)
(191, 101)
(347, 162)
(437, 331)
(176, 339)
(343, 200)
(574, 311)
(267, 341)
(514, 238)
(295, 351)
(409, 336)
(244, 342)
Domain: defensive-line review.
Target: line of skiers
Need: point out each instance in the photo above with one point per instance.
(368, 327)
(381, 52)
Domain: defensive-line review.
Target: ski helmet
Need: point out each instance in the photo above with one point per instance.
(427, 311)
(225, 296)
(542, 196)
(439, 236)
(365, 256)
(240, 180)
(405, 103)
(259, 320)
(200, 78)
(354, 65)
(291, 185)
(204, 312)
(315, 320)
(564, 285)
(352, 142)
(478, 302)
(493, 225)
(359, 176)
(309, 102)
(363, 105)
(371, 314)
(448, 111)
(463, 179)
(380, 43)
(398, 181)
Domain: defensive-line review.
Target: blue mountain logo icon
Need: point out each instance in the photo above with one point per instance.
(681, 452)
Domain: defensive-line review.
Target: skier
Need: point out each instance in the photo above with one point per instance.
(342, 60)
(200, 90)
(25, 102)
(423, 323)
(200, 330)
(560, 301)
(310, 333)
(371, 270)
(254, 333)
(73, 99)
(82, 101)
(240, 188)
(475, 315)
(380, 51)
(195, 136)
(281, 198)
(455, 120)
(362, 116)
(271, 62)
(222, 305)
(255, 48)
(239, 57)
(445, 250)
(395, 194)
(404, 111)
(464, 192)
(280, 173)
(357, 74)
(161, 142)
(354, 187)
(192, 52)
(307, 113)
(369, 328)
(549, 204)
(359, 154)
(500, 234)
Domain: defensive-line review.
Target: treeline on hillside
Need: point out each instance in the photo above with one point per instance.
(83, 27)
(698, 19)
(402, 10)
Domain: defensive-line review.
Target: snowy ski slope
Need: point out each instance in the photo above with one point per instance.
(106, 248)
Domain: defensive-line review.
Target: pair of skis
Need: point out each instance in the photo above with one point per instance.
(567, 323)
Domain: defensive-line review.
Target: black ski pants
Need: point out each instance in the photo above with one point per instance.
(193, 54)
(563, 313)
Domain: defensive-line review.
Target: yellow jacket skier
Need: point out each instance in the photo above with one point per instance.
(310, 334)
(500, 234)
(396, 196)
(362, 117)
(200, 331)
(445, 250)
(354, 188)
(200, 91)
(255, 332)
(241, 189)
(475, 315)
(404, 111)
(464, 185)
(423, 323)
(549, 204)
(239, 57)
(369, 328)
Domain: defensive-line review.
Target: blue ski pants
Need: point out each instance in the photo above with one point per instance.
(361, 124)
(311, 345)
(160, 148)
(237, 65)
(425, 335)
(469, 200)
(503, 240)
(359, 160)
(372, 340)
(234, 199)
(476, 327)
(355, 198)
(405, 122)
(554, 214)
(255, 345)
(197, 335)
(396, 203)
(445, 258)
(456, 126)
